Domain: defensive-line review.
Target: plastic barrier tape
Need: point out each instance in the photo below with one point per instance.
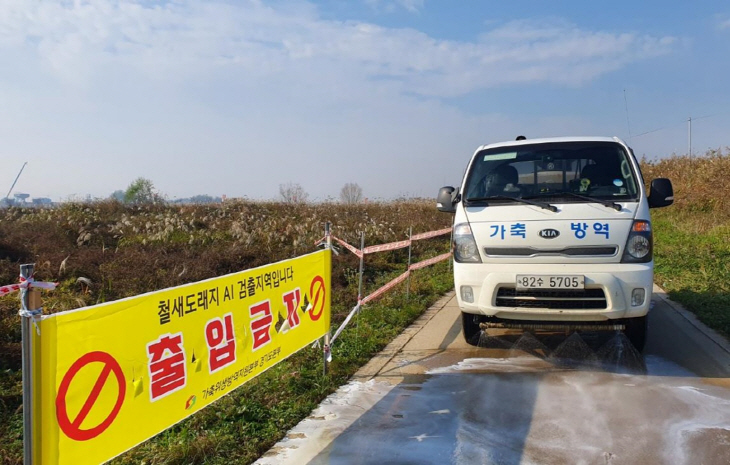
(427, 235)
(355, 309)
(385, 247)
(391, 245)
(430, 261)
(386, 288)
(25, 284)
(352, 249)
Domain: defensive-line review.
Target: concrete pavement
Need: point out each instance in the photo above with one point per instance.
(431, 398)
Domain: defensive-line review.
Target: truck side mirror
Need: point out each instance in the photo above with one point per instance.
(661, 193)
(446, 199)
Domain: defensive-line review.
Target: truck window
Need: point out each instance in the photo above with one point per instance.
(594, 169)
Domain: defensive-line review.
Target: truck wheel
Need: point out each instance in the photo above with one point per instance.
(635, 331)
(470, 326)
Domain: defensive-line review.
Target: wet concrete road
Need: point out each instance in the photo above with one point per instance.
(430, 398)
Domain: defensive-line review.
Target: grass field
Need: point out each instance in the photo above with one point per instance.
(692, 237)
(108, 243)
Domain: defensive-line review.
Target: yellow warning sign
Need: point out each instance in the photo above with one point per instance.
(113, 375)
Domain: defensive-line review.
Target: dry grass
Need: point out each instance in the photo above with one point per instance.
(109, 243)
(128, 250)
(701, 185)
(692, 237)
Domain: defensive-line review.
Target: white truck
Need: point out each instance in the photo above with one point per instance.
(554, 233)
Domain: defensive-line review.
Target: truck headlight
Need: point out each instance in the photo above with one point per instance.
(639, 243)
(465, 247)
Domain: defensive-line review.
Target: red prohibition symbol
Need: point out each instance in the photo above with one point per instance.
(318, 292)
(72, 427)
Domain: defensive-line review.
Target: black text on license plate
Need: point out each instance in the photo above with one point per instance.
(531, 281)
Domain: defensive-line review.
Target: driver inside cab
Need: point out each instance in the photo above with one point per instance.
(501, 181)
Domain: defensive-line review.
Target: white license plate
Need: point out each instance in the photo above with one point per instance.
(542, 281)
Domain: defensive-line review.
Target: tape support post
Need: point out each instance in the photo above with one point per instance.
(387, 287)
(394, 282)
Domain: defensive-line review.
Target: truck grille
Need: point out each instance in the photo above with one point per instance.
(590, 251)
(574, 299)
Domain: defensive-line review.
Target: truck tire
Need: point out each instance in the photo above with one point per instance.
(470, 327)
(636, 329)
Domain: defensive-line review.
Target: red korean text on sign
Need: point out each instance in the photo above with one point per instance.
(261, 320)
(221, 342)
(292, 300)
(166, 365)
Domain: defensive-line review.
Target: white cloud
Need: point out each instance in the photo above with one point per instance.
(413, 6)
(184, 39)
(188, 88)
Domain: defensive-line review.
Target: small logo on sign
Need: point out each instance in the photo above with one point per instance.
(549, 233)
(190, 402)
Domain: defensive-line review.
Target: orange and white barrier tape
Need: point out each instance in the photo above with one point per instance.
(430, 234)
(349, 247)
(354, 310)
(430, 261)
(391, 245)
(394, 282)
(386, 288)
(25, 284)
(386, 247)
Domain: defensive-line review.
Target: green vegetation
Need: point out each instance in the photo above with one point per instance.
(141, 190)
(692, 237)
(107, 243)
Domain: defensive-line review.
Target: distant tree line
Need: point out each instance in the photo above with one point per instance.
(351, 193)
(142, 191)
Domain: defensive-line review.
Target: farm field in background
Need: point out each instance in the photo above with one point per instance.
(107, 251)
(692, 237)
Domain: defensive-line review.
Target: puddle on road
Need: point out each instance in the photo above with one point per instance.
(599, 399)
(531, 399)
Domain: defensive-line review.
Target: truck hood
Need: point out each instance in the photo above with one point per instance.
(576, 233)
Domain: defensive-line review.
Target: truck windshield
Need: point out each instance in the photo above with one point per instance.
(553, 171)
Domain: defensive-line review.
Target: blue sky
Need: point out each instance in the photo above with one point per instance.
(238, 97)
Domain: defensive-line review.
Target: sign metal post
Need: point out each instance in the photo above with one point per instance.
(29, 301)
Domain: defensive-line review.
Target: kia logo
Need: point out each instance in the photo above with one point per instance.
(549, 233)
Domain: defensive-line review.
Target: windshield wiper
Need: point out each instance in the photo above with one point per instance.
(605, 203)
(544, 205)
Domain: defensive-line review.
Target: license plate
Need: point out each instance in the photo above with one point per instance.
(541, 281)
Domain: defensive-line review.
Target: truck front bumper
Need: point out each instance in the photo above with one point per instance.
(492, 291)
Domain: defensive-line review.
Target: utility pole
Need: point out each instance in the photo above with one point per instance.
(628, 122)
(689, 131)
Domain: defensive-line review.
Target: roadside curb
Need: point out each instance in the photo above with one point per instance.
(692, 319)
(382, 358)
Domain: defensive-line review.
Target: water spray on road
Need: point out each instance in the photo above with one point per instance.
(608, 351)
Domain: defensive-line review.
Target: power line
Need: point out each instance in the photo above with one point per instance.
(676, 124)
(649, 132)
